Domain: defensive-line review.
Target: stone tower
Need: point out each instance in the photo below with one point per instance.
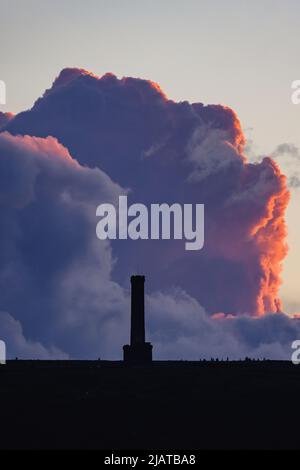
(138, 352)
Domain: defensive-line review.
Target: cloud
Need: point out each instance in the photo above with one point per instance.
(18, 346)
(53, 273)
(181, 329)
(286, 149)
(5, 118)
(86, 141)
(176, 152)
(294, 181)
(287, 155)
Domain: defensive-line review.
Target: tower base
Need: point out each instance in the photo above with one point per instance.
(138, 354)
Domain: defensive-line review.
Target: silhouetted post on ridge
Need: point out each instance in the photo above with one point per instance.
(139, 351)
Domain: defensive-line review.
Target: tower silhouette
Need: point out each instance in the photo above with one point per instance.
(139, 351)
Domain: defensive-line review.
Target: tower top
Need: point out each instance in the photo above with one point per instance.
(137, 278)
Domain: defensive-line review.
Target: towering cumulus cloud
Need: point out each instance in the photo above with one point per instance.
(90, 139)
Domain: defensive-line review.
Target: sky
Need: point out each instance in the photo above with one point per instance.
(236, 53)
